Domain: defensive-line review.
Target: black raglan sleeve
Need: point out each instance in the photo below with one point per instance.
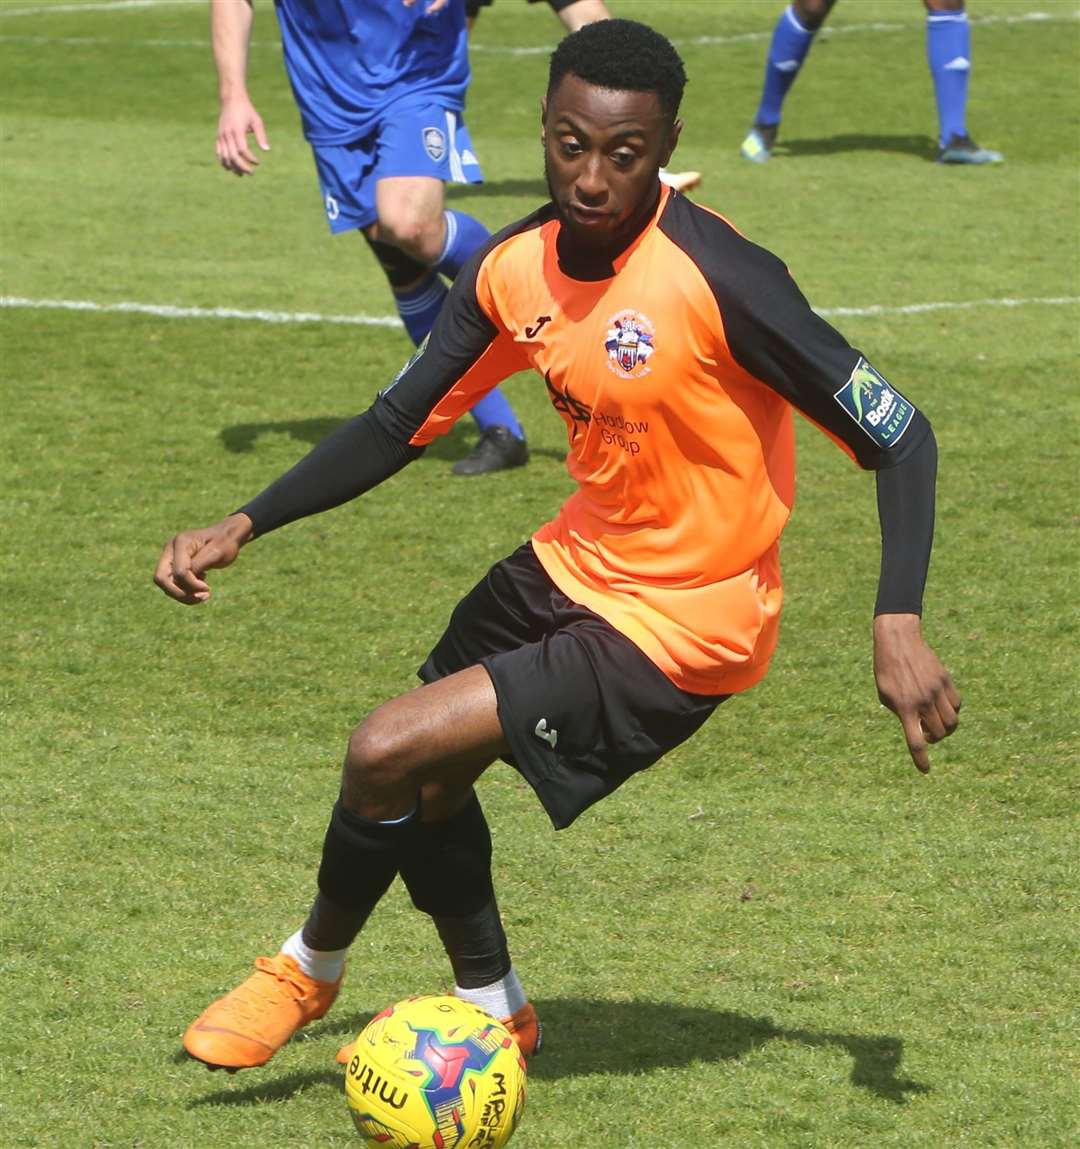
(371, 447)
(773, 334)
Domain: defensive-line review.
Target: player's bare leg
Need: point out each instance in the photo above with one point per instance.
(410, 215)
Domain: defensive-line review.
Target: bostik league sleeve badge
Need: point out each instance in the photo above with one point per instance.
(879, 409)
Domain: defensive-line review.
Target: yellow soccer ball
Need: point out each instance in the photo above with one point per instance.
(435, 1073)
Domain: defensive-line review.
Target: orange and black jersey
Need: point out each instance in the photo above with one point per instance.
(675, 370)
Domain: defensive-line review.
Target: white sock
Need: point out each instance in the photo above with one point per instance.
(322, 965)
(501, 999)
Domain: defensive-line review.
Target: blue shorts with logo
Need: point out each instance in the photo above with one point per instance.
(420, 140)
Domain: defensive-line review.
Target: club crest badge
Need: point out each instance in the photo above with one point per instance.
(629, 344)
(434, 143)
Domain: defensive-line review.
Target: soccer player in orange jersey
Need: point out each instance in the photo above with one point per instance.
(675, 351)
(575, 14)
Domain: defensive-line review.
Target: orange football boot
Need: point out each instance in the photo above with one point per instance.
(251, 1023)
(524, 1027)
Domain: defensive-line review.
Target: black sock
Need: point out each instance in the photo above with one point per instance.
(330, 926)
(476, 946)
(359, 861)
(447, 871)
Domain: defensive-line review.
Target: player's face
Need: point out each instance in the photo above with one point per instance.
(602, 152)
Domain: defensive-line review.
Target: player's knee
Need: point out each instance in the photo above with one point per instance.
(417, 235)
(375, 760)
(401, 270)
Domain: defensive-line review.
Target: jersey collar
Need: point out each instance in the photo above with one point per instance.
(590, 268)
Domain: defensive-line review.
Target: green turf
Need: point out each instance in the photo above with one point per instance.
(782, 936)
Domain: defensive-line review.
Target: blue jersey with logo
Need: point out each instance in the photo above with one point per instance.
(349, 61)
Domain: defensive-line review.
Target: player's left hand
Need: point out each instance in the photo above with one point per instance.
(913, 684)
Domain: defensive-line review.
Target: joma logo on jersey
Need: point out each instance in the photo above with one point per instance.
(533, 331)
(629, 344)
(880, 410)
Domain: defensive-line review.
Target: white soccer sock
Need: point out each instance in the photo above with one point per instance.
(322, 965)
(501, 999)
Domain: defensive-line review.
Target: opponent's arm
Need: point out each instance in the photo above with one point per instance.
(230, 30)
(575, 14)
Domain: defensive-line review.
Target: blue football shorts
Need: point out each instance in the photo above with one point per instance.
(581, 706)
(421, 140)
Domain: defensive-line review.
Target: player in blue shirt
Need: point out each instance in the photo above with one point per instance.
(948, 52)
(380, 85)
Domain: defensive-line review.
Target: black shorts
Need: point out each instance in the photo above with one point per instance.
(581, 707)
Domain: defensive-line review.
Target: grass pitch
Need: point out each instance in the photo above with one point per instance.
(780, 937)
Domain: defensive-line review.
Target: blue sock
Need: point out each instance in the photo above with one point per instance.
(948, 51)
(419, 306)
(790, 43)
(494, 410)
(464, 235)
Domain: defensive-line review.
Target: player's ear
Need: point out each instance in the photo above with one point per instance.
(670, 142)
(543, 119)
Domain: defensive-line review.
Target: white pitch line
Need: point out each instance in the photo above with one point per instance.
(99, 41)
(944, 305)
(828, 32)
(104, 6)
(173, 311)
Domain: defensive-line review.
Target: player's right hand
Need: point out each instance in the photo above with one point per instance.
(238, 118)
(187, 557)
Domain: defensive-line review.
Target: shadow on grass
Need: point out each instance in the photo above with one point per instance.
(586, 1038)
(242, 437)
(277, 1089)
(921, 146)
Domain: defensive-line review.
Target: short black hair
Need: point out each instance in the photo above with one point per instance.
(622, 56)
